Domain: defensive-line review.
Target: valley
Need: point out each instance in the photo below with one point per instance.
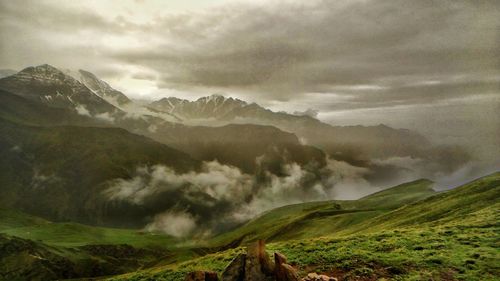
(382, 235)
(94, 185)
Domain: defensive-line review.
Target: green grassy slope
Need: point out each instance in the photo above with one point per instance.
(399, 195)
(268, 223)
(323, 218)
(13, 219)
(449, 236)
(447, 207)
(19, 224)
(74, 235)
(32, 248)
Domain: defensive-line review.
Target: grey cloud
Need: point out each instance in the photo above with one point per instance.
(52, 17)
(175, 223)
(221, 195)
(290, 49)
(276, 51)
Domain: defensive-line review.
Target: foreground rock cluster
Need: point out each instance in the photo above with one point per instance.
(256, 265)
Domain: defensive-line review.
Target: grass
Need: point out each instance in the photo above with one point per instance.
(449, 252)
(316, 219)
(22, 225)
(14, 219)
(74, 235)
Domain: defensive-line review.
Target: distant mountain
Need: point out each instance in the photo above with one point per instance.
(92, 99)
(200, 127)
(365, 146)
(17, 109)
(102, 89)
(214, 106)
(50, 86)
(357, 142)
(241, 145)
(6, 72)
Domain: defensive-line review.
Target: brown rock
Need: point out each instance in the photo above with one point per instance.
(235, 271)
(202, 276)
(279, 259)
(287, 273)
(258, 265)
(253, 271)
(266, 263)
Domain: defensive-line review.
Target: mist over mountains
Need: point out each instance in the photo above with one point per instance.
(74, 148)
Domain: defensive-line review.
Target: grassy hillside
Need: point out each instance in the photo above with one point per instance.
(451, 207)
(13, 219)
(32, 248)
(452, 235)
(74, 235)
(323, 218)
(19, 224)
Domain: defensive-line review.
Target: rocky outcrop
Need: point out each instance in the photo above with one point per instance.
(235, 271)
(318, 277)
(284, 271)
(256, 265)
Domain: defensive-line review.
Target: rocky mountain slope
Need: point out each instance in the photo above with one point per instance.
(50, 86)
(89, 100)
(361, 146)
(102, 89)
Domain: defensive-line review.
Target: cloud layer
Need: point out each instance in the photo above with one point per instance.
(392, 51)
(221, 196)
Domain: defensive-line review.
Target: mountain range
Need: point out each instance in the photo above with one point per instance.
(53, 120)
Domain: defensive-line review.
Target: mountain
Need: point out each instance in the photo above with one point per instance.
(102, 89)
(357, 145)
(50, 86)
(86, 102)
(240, 145)
(61, 172)
(214, 106)
(18, 109)
(6, 72)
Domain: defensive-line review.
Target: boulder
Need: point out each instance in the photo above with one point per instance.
(235, 271)
(266, 264)
(287, 273)
(258, 265)
(202, 276)
(279, 259)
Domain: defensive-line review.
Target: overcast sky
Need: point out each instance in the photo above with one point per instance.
(404, 63)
